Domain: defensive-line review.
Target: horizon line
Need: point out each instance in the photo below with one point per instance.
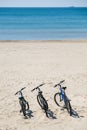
(43, 6)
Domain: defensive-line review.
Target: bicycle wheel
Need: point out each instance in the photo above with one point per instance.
(27, 105)
(58, 101)
(23, 106)
(42, 102)
(68, 107)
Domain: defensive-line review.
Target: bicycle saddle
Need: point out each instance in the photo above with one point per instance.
(64, 88)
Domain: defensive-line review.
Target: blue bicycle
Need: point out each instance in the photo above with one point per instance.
(61, 99)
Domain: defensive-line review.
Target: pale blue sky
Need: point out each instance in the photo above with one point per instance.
(42, 3)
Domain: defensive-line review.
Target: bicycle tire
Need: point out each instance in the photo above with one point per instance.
(68, 107)
(57, 100)
(23, 106)
(27, 106)
(42, 102)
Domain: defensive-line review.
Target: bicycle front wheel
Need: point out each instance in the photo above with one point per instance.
(42, 102)
(58, 101)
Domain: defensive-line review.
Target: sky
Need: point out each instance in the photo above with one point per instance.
(43, 3)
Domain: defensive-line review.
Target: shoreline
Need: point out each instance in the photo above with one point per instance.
(43, 41)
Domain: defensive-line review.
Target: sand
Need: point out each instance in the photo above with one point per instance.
(30, 63)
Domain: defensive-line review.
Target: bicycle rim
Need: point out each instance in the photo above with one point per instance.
(42, 102)
(24, 109)
(27, 106)
(69, 109)
(58, 101)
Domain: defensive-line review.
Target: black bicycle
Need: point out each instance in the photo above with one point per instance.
(41, 100)
(23, 103)
(61, 99)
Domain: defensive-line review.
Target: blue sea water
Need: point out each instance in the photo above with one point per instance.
(43, 23)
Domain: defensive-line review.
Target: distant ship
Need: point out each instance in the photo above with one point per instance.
(72, 7)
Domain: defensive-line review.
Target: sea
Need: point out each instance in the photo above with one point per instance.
(69, 23)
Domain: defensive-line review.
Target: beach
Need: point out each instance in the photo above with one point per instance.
(30, 63)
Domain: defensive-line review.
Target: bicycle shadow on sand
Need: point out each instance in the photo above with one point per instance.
(75, 114)
(51, 114)
(29, 114)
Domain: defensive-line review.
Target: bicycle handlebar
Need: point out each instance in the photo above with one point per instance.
(37, 87)
(20, 90)
(23, 88)
(59, 84)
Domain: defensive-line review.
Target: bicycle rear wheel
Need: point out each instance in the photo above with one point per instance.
(27, 105)
(58, 101)
(42, 102)
(23, 106)
(68, 107)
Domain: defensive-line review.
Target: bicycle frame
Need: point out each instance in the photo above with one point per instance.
(62, 92)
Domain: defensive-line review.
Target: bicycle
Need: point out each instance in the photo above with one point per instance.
(23, 103)
(41, 100)
(61, 99)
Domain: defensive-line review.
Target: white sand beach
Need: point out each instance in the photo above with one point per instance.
(30, 63)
